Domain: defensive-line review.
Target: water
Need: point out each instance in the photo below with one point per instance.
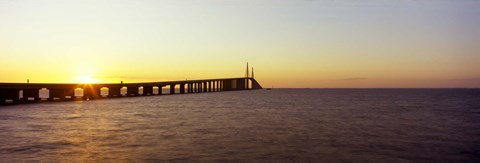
(280, 125)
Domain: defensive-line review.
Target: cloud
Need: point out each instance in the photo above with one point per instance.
(463, 79)
(350, 79)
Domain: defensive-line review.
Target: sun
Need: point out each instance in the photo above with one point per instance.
(86, 79)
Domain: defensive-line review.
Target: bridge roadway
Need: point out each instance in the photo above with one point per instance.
(17, 93)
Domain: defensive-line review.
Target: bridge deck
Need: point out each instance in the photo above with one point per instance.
(15, 93)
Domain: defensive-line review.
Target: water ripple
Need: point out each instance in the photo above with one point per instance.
(281, 125)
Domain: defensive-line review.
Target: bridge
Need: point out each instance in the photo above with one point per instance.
(18, 93)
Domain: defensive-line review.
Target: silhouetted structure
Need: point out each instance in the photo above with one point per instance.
(16, 93)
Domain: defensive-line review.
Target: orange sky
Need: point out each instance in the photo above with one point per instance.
(314, 44)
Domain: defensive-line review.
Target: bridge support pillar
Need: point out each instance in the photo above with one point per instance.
(220, 86)
(31, 94)
(132, 91)
(9, 96)
(189, 88)
(205, 89)
(91, 93)
(209, 86)
(214, 86)
(199, 89)
(69, 93)
(172, 89)
(114, 92)
(147, 90)
(182, 88)
(57, 94)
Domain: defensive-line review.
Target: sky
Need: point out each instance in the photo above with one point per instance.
(290, 43)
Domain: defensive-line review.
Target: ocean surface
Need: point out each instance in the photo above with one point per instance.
(279, 125)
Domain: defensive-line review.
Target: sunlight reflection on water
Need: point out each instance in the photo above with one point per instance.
(299, 125)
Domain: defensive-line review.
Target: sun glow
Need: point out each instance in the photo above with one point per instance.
(86, 79)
